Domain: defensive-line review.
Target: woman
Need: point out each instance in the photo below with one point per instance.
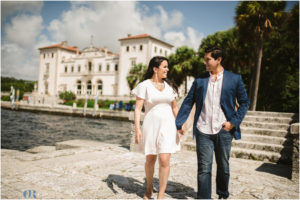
(158, 136)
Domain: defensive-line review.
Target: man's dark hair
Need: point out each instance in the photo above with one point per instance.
(216, 52)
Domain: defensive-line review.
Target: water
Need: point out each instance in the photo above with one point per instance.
(24, 130)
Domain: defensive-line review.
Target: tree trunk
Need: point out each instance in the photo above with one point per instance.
(256, 75)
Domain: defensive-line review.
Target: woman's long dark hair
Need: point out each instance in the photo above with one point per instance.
(155, 62)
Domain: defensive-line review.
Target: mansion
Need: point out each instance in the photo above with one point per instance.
(94, 70)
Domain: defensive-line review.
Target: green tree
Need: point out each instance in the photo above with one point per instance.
(279, 89)
(255, 20)
(182, 64)
(136, 75)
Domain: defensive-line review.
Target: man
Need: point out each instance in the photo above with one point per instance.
(216, 121)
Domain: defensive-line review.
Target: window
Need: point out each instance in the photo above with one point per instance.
(116, 67)
(127, 48)
(72, 69)
(44, 55)
(47, 68)
(155, 49)
(78, 68)
(166, 53)
(52, 55)
(134, 48)
(78, 87)
(133, 62)
(46, 88)
(99, 86)
(141, 47)
(107, 67)
(66, 69)
(90, 66)
(160, 51)
(100, 68)
(89, 87)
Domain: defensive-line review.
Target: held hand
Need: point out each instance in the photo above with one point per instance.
(138, 137)
(227, 126)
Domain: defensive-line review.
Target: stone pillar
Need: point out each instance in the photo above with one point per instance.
(133, 146)
(294, 130)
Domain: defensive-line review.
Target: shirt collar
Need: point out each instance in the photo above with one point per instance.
(219, 75)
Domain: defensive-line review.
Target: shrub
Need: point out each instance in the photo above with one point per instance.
(67, 96)
(5, 98)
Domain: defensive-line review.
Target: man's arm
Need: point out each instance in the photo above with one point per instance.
(186, 107)
(243, 101)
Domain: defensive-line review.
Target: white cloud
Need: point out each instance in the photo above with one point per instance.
(106, 21)
(191, 38)
(109, 21)
(24, 29)
(168, 22)
(8, 8)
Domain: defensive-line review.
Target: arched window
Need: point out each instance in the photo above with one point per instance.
(79, 87)
(90, 66)
(89, 87)
(100, 86)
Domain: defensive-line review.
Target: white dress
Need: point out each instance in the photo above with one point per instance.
(159, 133)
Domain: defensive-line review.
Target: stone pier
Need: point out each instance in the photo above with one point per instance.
(81, 169)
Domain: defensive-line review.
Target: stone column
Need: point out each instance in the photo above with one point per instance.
(294, 130)
(133, 146)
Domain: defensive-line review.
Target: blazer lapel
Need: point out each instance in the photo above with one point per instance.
(205, 88)
(224, 84)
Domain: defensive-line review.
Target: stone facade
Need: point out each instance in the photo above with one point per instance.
(94, 70)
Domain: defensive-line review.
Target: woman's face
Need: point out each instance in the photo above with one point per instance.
(162, 70)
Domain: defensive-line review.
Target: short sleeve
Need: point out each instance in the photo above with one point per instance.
(140, 91)
(175, 95)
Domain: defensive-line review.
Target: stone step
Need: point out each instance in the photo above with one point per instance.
(260, 155)
(272, 114)
(281, 120)
(237, 152)
(264, 125)
(265, 139)
(264, 131)
(279, 148)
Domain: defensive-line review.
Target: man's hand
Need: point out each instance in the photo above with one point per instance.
(227, 126)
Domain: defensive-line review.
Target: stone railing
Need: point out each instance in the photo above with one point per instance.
(294, 130)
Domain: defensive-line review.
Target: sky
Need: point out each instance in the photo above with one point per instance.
(29, 25)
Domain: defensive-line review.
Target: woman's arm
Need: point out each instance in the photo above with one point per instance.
(137, 116)
(175, 108)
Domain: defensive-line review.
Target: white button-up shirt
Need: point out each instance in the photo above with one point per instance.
(212, 116)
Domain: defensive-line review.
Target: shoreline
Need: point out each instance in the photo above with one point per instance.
(68, 110)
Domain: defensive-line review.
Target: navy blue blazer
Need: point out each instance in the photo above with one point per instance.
(232, 88)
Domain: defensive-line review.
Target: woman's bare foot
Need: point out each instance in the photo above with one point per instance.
(160, 196)
(148, 193)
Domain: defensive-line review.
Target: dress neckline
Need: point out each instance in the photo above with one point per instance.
(156, 88)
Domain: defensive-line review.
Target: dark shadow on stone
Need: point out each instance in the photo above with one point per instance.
(276, 169)
(131, 185)
(125, 146)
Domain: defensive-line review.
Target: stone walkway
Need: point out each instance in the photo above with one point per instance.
(97, 170)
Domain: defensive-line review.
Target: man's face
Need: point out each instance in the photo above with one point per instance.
(210, 63)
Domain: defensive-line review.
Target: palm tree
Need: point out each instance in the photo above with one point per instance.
(136, 74)
(181, 65)
(255, 20)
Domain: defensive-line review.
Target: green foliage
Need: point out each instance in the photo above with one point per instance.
(22, 85)
(183, 63)
(136, 75)
(67, 96)
(5, 98)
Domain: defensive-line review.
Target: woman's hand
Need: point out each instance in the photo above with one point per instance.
(138, 137)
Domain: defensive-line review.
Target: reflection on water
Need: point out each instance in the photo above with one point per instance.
(24, 130)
